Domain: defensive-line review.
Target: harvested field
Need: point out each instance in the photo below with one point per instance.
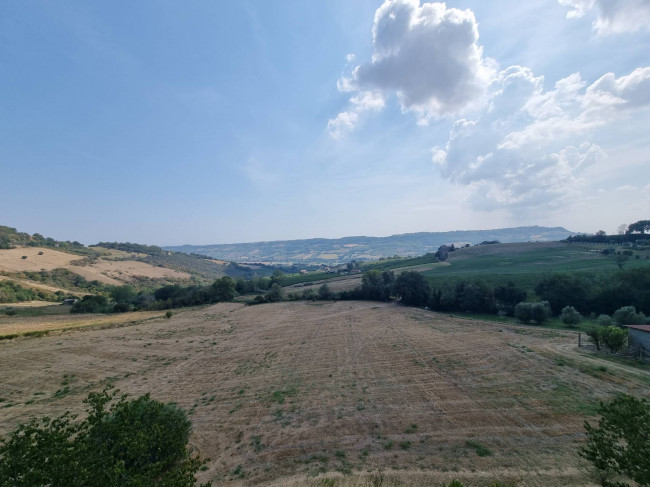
(11, 260)
(280, 393)
(112, 272)
(129, 270)
(16, 325)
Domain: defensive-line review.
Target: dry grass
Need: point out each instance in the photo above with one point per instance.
(281, 393)
(107, 271)
(17, 325)
(129, 270)
(11, 260)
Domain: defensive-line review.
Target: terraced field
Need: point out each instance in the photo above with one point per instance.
(291, 393)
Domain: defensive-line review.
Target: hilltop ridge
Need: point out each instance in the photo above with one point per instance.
(345, 249)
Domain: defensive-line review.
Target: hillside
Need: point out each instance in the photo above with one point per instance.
(322, 250)
(34, 267)
(284, 392)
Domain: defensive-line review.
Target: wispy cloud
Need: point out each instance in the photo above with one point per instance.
(614, 16)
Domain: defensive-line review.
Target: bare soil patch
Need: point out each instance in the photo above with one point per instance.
(281, 393)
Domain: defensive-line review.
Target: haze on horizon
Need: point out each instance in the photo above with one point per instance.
(172, 123)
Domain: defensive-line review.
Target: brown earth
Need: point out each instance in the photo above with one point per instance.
(279, 393)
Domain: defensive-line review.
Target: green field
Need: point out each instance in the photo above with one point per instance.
(525, 263)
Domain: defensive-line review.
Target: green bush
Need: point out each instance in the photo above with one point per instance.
(605, 320)
(627, 315)
(537, 312)
(619, 444)
(614, 338)
(137, 442)
(570, 316)
(91, 303)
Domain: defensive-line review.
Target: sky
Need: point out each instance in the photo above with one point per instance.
(205, 122)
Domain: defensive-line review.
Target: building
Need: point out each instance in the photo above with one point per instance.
(638, 341)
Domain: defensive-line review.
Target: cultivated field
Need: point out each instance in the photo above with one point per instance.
(129, 270)
(108, 271)
(11, 260)
(288, 393)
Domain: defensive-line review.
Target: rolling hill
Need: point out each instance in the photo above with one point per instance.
(323, 250)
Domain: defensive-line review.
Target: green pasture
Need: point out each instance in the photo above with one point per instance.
(524, 264)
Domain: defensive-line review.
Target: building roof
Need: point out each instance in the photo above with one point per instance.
(645, 328)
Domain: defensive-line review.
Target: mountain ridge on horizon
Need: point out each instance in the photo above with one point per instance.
(345, 249)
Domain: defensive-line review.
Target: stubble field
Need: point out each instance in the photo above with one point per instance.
(286, 393)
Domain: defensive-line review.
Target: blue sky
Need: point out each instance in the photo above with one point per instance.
(213, 122)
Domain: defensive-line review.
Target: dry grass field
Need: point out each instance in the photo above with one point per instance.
(128, 270)
(108, 271)
(11, 260)
(290, 393)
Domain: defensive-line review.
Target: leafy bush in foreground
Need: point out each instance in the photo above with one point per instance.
(619, 444)
(138, 442)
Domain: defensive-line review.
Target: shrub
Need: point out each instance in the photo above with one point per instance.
(91, 304)
(596, 336)
(614, 338)
(619, 444)
(537, 312)
(570, 316)
(411, 288)
(324, 292)
(169, 314)
(605, 320)
(627, 315)
(132, 443)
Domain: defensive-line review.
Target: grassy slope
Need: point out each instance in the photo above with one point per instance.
(524, 263)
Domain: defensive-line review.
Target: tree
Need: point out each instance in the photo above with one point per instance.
(614, 338)
(621, 259)
(375, 285)
(537, 312)
(642, 226)
(91, 303)
(620, 443)
(627, 315)
(324, 292)
(133, 443)
(596, 335)
(562, 290)
(277, 277)
(275, 293)
(570, 316)
(223, 289)
(411, 288)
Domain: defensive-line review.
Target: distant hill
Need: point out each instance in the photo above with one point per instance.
(38, 267)
(323, 250)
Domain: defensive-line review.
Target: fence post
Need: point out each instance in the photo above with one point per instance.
(579, 339)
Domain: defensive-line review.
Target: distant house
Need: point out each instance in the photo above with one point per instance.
(303, 271)
(638, 341)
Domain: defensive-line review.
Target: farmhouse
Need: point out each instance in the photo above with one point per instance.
(639, 340)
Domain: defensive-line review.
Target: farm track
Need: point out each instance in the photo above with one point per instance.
(282, 392)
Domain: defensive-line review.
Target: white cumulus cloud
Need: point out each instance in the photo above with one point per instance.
(614, 16)
(528, 146)
(427, 55)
